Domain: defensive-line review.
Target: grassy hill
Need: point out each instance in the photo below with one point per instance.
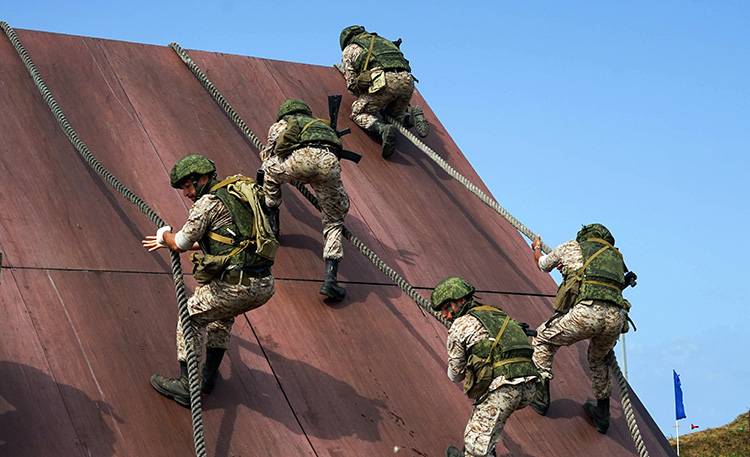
(731, 440)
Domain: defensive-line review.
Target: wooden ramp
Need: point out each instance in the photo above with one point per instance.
(89, 315)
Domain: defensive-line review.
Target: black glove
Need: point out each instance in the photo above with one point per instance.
(528, 331)
(260, 176)
(631, 279)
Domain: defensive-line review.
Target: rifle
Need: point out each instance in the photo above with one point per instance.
(334, 103)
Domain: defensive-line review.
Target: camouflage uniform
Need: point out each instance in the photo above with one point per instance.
(213, 306)
(505, 395)
(312, 165)
(393, 99)
(597, 320)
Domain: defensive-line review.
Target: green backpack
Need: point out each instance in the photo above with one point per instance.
(254, 246)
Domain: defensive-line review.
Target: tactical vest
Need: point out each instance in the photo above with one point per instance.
(602, 276)
(237, 239)
(508, 356)
(303, 130)
(379, 53)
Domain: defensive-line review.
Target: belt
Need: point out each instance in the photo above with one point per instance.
(244, 276)
(325, 146)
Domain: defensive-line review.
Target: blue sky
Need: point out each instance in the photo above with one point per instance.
(634, 114)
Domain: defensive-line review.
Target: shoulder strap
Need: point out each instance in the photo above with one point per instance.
(307, 125)
(369, 53)
(497, 338)
(484, 308)
(227, 181)
(606, 247)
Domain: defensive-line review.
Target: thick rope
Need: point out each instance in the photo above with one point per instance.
(627, 407)
(83, 150)
(253, 139)
(486, 199)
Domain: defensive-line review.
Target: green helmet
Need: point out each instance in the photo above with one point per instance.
(449, 289)
(190, 165)
(348, 33)
(291, 106)
(595, 231)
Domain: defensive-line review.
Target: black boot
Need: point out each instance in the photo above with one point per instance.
(386, 133)
(453, 451)
(330, 287)
(598, 412)
(211, 368)
(421, 126)
(406, 119)
(274, 221)
(174, 388)
(541, 401)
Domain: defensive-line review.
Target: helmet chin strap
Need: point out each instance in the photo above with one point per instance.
(466, 306)
(200, 190)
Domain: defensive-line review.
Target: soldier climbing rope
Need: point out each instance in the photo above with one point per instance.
(382, 266)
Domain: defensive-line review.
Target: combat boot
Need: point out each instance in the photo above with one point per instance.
(330, 287)
(541, 401)
(598, 412)
(453, 451)
(421, 126)
(274, 220)
(211, 368)
(174, 388)
(386, 133)
(406, 119)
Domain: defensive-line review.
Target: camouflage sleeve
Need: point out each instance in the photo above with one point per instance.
(567, 254)
(464, 330)
(348, 57)
(274, 132)
(198, 221)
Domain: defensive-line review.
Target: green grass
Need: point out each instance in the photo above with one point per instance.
(731, 440)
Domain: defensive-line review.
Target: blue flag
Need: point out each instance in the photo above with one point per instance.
(679, 408)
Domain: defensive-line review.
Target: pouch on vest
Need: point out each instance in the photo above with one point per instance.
(289, 140)
(248, 191)
(480, 370)
(377, 80)
(207, 267)
(479, 378)
(567, 294)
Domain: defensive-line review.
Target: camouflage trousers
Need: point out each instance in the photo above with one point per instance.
(600, 322)
(488, 418)
(393, 99)
(321, 169)
(212, 310)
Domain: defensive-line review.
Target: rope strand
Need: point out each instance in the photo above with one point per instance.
(91, 160)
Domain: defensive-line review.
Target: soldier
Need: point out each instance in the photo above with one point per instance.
(378, 74)
(303, 148)
(233, 269)
(589, 305)
(491, 353)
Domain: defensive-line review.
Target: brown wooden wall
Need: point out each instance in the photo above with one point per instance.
(89, 315)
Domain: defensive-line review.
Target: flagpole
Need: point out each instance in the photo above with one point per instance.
(677, 428)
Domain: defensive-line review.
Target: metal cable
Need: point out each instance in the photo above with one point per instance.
(83, 150)
(255, 141)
